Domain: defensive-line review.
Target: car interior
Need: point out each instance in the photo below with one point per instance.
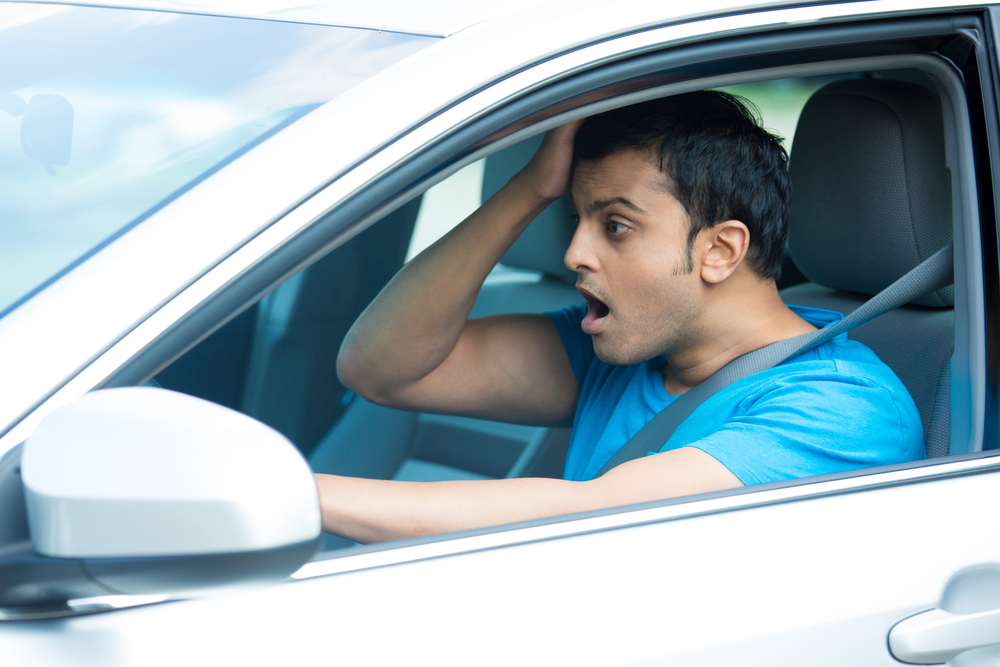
(874, 194)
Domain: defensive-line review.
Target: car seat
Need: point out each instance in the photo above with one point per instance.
(381, 443)
(291, 380)
(871, 198)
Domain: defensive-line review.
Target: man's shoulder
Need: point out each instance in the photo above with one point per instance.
(840, 360)
(839, 409)
(840, 374)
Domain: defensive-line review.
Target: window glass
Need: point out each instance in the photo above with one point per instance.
(445, 205)
(108, 114)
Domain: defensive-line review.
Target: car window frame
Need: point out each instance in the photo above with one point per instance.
(352, 216)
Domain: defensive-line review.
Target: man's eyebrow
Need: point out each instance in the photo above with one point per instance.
(602, 204)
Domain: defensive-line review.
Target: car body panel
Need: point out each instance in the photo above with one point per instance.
(816, 581)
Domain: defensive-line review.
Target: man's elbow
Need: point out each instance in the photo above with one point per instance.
(362, 378)
(352, 373)
(347, 371)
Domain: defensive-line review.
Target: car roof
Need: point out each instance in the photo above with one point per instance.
(436, 18)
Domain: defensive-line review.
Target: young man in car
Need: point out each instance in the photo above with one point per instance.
(683, 205)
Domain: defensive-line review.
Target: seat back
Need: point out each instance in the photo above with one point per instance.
(871, 200)
(291, 381)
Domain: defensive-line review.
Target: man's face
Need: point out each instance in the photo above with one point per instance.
(630, 255)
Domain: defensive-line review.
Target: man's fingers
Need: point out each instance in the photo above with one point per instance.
(551, 166)
(571, 127)
(562, 135)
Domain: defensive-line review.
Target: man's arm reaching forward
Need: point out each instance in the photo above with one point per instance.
(369, 510)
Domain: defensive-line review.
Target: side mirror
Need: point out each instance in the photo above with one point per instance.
(152, 492)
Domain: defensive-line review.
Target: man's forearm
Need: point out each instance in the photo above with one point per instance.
(367, 510)
(417, 319)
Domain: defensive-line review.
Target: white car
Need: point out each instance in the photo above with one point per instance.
(203, 196)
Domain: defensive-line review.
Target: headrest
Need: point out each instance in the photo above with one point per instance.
(871, 195)
(542, 245)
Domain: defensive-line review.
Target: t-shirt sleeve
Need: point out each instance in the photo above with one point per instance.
(806, 426)
(579, 346)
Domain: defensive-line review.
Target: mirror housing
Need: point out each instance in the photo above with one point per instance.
(154, 492)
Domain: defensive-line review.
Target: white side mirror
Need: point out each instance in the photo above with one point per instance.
(138, 479)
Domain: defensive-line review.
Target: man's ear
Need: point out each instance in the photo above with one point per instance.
(722, 249)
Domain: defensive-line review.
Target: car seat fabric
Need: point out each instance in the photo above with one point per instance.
(291, 381)
(869, 165)
(383, 443)
(872, 199)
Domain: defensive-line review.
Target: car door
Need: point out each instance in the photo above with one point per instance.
(819, 571)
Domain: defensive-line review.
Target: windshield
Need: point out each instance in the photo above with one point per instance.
(107, 114)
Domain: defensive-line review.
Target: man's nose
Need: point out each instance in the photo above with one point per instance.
(580, 255)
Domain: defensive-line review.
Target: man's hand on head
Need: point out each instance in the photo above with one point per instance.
(414, 346)
(550, 169)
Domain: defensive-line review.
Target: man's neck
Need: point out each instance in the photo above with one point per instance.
(731, 327)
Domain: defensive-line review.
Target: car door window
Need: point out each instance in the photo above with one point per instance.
(288, 399)
(445, 205)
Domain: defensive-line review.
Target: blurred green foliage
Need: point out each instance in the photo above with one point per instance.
(780, 101)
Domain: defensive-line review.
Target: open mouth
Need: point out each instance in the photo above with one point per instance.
(597, 311)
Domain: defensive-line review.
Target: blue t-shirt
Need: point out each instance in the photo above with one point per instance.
(834, 408)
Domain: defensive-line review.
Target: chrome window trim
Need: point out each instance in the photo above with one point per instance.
(967, 400)
(405, 147)
(675, 509)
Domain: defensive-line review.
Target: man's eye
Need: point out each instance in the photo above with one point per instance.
(616, 227)
(574, 218)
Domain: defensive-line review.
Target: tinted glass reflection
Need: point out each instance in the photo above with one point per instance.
(107, 114)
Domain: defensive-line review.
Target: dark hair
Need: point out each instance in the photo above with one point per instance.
(719, 163)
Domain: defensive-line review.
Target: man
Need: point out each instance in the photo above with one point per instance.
(683, 206)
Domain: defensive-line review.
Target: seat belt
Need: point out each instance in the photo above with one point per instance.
(934, 273)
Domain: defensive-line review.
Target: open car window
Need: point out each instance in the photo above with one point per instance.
(276, 361)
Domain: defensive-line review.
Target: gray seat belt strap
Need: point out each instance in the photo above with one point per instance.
(934, 273)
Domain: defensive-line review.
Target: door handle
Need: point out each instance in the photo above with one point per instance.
(937, 636)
